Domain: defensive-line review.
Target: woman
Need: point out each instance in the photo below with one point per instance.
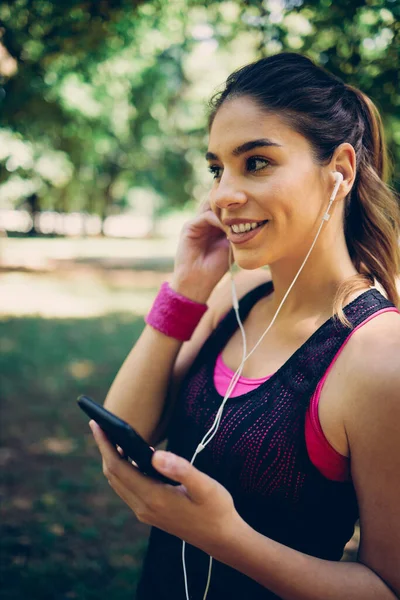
(308, 439)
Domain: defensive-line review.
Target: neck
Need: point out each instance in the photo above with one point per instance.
(315, 288)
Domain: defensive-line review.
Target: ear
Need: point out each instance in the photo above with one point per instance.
(344, 160)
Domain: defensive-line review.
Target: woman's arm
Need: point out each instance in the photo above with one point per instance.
(143, 385)
(293, 575)
(373, 429)
(140, 391)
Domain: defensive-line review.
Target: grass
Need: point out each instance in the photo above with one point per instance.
(65, 532)
(70, 311)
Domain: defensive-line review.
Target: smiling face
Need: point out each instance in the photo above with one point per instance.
(255, 182)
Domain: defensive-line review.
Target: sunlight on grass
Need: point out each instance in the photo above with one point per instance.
(57, 529)
(82, 369)
(82, 278)
(22, 503)
(47, 296)
(54, 446)
(37, 252)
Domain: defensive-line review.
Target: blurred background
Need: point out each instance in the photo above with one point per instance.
(102, 141)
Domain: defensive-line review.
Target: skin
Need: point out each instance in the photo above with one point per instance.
(293, 194)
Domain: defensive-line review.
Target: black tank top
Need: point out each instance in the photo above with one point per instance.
(259, 454)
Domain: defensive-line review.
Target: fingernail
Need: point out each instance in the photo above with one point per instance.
(165, 460)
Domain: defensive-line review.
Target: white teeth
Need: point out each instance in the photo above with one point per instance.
(242, 227)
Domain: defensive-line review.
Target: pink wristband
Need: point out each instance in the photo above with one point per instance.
(174, 314)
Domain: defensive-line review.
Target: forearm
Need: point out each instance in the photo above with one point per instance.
(292, 575)
(139, 391)
(141, 388)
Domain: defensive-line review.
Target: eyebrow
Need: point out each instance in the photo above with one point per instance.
(261, 143)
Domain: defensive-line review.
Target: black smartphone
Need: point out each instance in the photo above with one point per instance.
(120, 433)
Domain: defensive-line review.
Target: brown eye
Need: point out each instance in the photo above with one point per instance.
(215, 171)
(256, 163)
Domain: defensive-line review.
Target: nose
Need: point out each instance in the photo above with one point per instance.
(227, 195)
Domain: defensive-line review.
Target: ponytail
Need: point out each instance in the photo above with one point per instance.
(372, 216)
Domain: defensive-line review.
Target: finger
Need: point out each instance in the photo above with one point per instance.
(128, 478)
(111, 457)
(107, 449)
(204, 205)
(205, 219)
(120, 451)
(198, 485)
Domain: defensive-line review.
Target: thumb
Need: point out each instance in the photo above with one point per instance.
(198, 485)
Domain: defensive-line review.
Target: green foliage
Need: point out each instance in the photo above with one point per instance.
(101, 98)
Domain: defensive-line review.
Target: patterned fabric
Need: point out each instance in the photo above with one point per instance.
(259, 454)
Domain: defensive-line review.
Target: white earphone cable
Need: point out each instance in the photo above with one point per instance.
(238, 372)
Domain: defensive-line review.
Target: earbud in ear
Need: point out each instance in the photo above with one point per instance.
(338, 180)
(338, 177)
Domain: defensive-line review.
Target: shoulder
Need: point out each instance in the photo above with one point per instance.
(373, 356)
(221, 299)
(371, 370)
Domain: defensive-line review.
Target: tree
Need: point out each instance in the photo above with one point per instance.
(108, 97)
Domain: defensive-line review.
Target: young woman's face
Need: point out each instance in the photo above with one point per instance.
(255, 182)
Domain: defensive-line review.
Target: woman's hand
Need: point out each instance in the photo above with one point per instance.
(200, 510)
(202, 256)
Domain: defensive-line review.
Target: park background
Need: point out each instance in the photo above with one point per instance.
(102, 141)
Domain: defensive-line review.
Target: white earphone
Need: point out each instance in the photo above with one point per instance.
(338, 180)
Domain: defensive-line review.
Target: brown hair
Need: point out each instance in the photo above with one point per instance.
(326, 111)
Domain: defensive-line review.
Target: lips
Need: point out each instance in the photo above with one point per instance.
(241, 238)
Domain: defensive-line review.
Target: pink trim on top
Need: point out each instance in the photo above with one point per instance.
(324, 457)
(225, 369)
(383, 310)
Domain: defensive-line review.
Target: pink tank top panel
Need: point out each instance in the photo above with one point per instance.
(324, 457)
